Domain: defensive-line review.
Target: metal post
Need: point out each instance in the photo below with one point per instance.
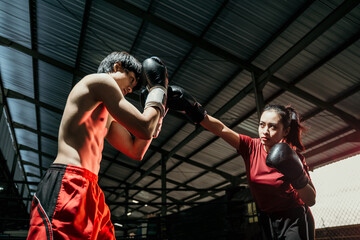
(163, 198)
(259, 98)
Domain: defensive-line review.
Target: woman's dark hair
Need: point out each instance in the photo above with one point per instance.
(128, 63)
(289, 118)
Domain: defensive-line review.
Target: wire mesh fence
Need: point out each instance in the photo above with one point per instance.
(337, 210)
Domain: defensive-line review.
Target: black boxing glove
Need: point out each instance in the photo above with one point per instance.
(286, 161)
(180, 100)
(144, 92)
(155, 74)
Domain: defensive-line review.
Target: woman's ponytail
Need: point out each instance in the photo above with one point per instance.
(290, 119)
(296, 128)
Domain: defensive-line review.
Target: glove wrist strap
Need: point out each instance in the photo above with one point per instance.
(157, 98)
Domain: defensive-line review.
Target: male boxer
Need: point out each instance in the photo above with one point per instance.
(69, 203)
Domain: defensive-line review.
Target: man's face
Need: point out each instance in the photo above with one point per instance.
(128, 82)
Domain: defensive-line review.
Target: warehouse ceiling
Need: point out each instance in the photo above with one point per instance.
(234, 56)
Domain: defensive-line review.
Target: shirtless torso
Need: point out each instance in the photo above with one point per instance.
(86, 121)
(82, 129)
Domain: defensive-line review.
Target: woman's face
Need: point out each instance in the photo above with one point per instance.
(271, 129)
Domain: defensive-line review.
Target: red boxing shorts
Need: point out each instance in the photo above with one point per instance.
(69, 204)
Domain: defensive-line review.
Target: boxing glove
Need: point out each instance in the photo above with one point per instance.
(180, 100)
(155, 75)
(144, 92)
(286, 161)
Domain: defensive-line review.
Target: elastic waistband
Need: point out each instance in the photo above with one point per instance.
(285, 213)
(74, 170)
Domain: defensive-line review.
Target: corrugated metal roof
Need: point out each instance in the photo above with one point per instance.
(303, 53)
(242, 27)
(18, 81)
(14, 20)
(58, 27)
(22, 112)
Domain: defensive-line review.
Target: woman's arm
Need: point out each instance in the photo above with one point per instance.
(308, 194)
(282, 157)
(221, 130)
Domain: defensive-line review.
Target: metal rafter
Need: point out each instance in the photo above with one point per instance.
(315, 32)
(325, 105)
(37, 55)
(265, 76)
(183, 61)
(318, 65)
(26, 148)
(35, 70)
(346, 153)
(136, 41)
(17, 157)
(81, 42)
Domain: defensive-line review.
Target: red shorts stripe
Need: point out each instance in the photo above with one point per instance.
(69, 204)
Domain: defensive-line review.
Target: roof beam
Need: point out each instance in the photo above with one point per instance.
(350, 138)
(349, 119)
(42, 134)
(292, 19)
(264, 76)
(35, 54)
(142, 172)
(9, 120)
(181, 33)
(327, 22)
(138, 36)
(328, 137)
(181, 116)
(81, 42)
(187, 55)
(233, 181)
(26, 148)
(12, 94)
(353, 39)
(35, 68)
(315, 32)
(340, 155)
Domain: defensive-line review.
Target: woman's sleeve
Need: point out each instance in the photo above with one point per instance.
(245, 145)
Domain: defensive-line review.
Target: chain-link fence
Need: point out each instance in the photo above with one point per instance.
(337, 210)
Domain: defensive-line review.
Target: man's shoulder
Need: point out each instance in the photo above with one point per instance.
(95, 77)
(95, 81)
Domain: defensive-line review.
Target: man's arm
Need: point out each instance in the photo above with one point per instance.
(155, 74)
(104, 89)
(121, 139)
